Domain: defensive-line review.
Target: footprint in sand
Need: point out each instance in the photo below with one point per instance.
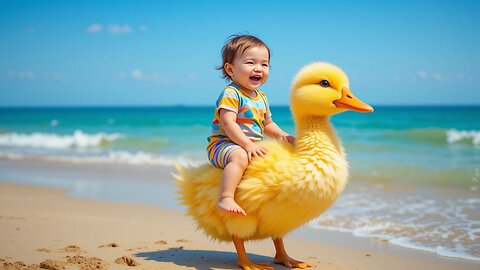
(124, 260)
(183, 241)
(73, 249)
(161, 242)
(14, 266)
(109, 245)
(83, 263)
(52, 264)
(137, 248)
(87, 262)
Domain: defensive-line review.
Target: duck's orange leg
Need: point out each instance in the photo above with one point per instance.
(281, 256)
(244, 261)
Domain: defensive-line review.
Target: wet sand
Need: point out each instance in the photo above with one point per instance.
(46, 228)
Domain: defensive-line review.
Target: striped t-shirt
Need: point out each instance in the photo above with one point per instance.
(251, 113)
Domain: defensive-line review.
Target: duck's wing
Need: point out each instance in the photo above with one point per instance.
(262, 181)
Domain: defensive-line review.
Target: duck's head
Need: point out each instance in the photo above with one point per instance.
(323, 89)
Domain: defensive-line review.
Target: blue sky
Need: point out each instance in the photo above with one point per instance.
(164, 52)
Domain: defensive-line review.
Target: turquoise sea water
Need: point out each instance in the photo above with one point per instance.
(436, 150)
(434, 145)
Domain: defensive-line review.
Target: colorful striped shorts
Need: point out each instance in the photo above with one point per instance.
(220, 151)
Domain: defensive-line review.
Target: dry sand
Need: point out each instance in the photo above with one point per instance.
(45, 228)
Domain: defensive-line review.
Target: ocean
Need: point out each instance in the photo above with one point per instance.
(415, 171)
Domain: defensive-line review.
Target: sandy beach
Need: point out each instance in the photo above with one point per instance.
(48, 228)
(100, 101)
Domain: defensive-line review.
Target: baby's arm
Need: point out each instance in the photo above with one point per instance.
(235, 133)
(273, 130)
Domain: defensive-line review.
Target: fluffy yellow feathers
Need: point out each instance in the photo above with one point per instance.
(291, 184)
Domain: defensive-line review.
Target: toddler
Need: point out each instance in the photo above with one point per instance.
(242, 115)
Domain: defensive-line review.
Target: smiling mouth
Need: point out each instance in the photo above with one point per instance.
(255, 78)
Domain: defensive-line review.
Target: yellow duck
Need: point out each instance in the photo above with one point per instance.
(290, 185)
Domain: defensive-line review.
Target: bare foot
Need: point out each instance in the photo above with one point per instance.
(228, 204)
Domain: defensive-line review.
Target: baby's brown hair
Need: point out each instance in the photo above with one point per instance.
(236, 44)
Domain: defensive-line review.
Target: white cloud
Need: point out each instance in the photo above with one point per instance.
(95, 28)
(156, 76)
(422, 74)
(114, 28)
(440, 77)
(161, 78)
(27, 75)
(137, 74)
(56, 75)
(437, 76)
(119, 29)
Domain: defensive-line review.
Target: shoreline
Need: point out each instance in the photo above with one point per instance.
(112, 184)
(39, 223)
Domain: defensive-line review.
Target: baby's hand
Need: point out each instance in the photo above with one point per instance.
(254, 150)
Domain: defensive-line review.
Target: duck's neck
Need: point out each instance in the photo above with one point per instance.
(316, 136)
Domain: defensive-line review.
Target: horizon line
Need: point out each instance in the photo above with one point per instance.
(206, 106)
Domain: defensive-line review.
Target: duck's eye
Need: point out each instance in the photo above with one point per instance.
(324, 83)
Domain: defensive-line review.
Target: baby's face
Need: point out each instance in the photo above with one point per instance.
(250, 69)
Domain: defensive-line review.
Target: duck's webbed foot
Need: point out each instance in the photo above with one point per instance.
(249, 265)
(244, 261)
(281, 256)
(291, 263)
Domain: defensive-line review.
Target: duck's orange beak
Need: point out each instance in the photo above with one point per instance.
(350, 102)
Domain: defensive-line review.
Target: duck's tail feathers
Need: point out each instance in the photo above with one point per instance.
(185, 184)
(189, 178)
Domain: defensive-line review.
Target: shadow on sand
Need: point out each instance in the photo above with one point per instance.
(202, 259)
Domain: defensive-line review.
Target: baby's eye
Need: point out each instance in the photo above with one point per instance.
(265, 65)
(249, 63)
(324, 83)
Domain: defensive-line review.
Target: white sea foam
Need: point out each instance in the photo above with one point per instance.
(459, 251)
(77, 140)
(455, 136)
(113, 157)
(136, 158)
(447, 227)
(405, 242)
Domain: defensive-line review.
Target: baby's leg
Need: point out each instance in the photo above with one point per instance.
(232, 174)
